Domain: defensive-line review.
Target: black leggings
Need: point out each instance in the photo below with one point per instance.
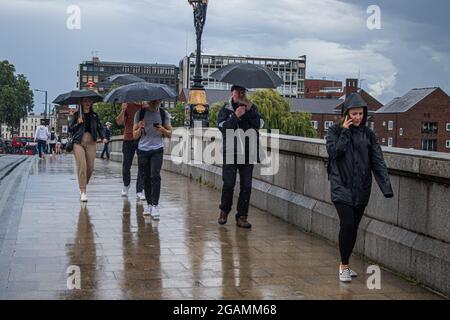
(349, 217)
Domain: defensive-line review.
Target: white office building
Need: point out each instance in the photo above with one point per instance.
(291, 70)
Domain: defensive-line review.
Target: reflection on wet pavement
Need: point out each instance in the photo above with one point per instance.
(124, 255)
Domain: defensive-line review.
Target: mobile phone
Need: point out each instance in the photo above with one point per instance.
(156, 124)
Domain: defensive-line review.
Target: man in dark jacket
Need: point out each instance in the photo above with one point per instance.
(106, 139)
(238, 119)
(354, 154)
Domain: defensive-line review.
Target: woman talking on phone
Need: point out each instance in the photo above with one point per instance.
(354, 154)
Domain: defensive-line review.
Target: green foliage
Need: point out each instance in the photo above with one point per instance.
(177, 115)
(276, 112)
(16, 97)
(109, 112)
(214, 113)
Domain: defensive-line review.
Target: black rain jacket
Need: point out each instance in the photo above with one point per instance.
(354, 154)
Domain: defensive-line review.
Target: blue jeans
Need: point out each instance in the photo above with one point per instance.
(41, 147)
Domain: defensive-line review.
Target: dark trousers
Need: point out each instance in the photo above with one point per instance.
(51, 148)
(349, 217)
(150, 164)
(229, 173)
(129, 148)
(41, 147)
(105, 150)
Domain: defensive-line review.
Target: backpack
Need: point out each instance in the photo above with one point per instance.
(162, 112)
(52, 136)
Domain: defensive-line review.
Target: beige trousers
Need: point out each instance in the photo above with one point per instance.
(85, 156)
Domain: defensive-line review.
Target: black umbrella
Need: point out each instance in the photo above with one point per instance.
(124, 79)
(75, 97)
(248, 76)
(140, 91)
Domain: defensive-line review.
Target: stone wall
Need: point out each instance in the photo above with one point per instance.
(409, 233)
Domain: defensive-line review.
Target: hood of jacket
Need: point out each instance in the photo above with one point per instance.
(354, 100)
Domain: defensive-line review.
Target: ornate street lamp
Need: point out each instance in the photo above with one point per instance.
(197, 108)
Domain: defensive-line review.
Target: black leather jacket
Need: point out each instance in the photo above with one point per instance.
(77, 130)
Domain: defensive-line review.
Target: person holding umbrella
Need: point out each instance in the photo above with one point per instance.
(354, 154)
(151, 125)
(236, 115)
(85, 127)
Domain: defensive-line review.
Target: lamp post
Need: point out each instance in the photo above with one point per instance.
(45, 110)
(197, 108)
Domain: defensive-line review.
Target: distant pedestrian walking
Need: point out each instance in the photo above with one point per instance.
(52, 140)
(106, 140)
(354, 154)
(40, 137)
(85, 128)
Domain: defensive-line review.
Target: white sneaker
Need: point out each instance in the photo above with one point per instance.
(83, 197)
(140, 196)
(353, 274)
(155, 212)
(344, 275)
(147, 210)
(125, 191)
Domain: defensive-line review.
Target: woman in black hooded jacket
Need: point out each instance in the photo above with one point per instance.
(354, 154)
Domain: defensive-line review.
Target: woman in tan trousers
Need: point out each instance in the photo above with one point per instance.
(86, 128)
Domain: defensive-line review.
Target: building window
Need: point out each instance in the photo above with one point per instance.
(429, 127)
(448, 126)
(390, 125)
(390, 141)
(315, 124)
(447, 144)
(328, 124)
(401, 131)
(429, 145)
(383, 140)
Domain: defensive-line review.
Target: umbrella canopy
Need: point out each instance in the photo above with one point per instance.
(248, 76)
(124, 78)
(76, 96)
(140, 91)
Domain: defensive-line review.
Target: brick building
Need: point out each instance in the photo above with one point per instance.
(323, 89)
(418, 120)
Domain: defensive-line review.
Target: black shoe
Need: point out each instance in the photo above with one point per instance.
(223, 217)
(242, 222)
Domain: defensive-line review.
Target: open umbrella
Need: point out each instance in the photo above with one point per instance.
(124, 79)
(248, 76)
(140, 91)
(75, 97)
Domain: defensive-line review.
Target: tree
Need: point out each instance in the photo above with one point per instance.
(276, 112)
(177, 115)
(16, 97)
(109, 112)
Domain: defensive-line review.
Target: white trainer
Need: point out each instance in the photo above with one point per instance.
(125, 191)
(147, 210)
(83, 197)
(140, 196)
(155, 212)
(353, 274)
(344, 275)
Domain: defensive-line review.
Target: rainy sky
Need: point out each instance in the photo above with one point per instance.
(412, 48)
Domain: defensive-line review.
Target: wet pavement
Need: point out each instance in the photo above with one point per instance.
(123, 255)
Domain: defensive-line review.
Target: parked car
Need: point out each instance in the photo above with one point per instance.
(19, 143)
